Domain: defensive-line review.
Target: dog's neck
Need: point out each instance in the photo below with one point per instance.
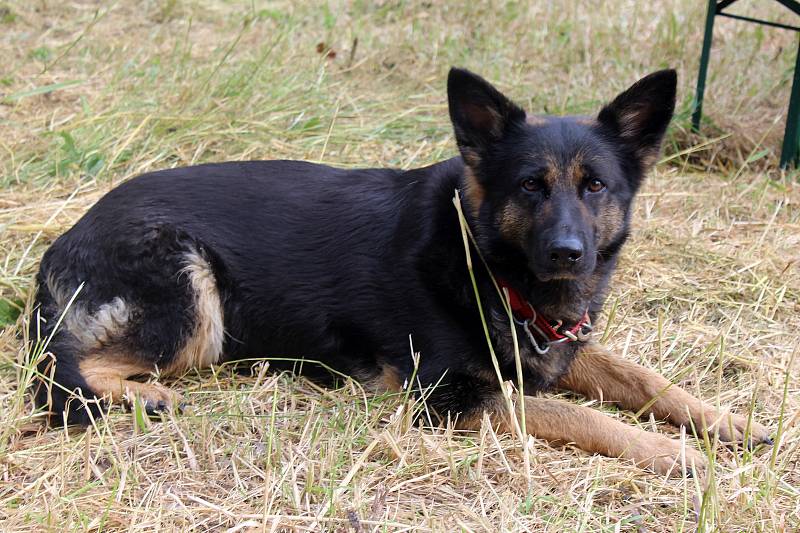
(557, 300)
(565, 300)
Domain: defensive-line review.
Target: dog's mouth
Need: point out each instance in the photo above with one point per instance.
(546, 273)
(547, 277)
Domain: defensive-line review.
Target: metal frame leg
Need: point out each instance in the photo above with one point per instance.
(791, 136)
(697, 113)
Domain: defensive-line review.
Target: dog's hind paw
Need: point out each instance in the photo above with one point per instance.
(155, 398)
(664, 456)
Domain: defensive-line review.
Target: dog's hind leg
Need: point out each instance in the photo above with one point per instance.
(108, 374)
(159, 311)
(59, 385)
(92, 357)
(598, 374)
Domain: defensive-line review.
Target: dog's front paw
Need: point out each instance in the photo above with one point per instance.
(664, 456)
(733, 428)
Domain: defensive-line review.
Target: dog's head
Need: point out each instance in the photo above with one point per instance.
(555, 192)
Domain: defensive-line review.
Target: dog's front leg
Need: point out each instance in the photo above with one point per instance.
(560, 422)
(598, 374)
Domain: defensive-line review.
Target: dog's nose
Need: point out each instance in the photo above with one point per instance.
(564, 253)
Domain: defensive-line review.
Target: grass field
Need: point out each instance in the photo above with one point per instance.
(708, 291)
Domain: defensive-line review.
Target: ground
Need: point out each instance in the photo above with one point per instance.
(93, 93)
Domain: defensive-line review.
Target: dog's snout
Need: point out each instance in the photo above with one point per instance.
(564, 253)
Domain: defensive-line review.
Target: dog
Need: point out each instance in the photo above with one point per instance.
(190, 267)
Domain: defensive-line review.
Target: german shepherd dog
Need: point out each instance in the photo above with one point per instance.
(187, 268)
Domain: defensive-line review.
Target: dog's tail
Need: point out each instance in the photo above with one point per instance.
(59, 389)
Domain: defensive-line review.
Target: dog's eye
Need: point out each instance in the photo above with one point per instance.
(595, 185)
(531, 184)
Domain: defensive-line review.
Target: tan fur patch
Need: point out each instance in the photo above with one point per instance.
(553, 172)
(575, 172)
(564, 423)
(203, 348)
(596, 373)
(473, 191)
(630, 123)
(561, 423)
(515, 223)
(487, 118)
(107, 375)
(535, 120)
(471, 158)
(610, 221)
(648, 159)
(388, 380)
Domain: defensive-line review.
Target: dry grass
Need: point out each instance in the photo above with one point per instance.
(707, 292)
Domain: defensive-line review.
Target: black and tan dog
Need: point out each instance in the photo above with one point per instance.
(189, 267)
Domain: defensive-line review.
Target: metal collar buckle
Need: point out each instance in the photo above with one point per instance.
(542, 347)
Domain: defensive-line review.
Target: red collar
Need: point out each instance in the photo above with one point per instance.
(537, 325)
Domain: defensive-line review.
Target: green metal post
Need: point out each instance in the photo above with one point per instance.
(697, 112)
(791, 136)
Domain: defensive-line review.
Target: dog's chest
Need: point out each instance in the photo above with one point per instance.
(540, 370)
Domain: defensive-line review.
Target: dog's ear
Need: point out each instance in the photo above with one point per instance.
(640, 116)
(481, 115)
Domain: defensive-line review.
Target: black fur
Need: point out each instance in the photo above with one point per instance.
(341, 266)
